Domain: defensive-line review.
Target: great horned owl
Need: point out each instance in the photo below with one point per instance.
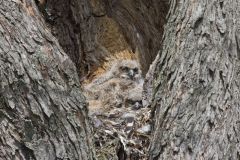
(113, 86)
(127, 69)
(122, 69)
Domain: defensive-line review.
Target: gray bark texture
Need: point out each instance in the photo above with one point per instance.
(196, 105)
(43, 113)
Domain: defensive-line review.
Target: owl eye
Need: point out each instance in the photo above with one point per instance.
(124, 68)
(135, 70)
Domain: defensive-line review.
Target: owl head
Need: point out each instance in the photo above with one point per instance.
(126, 69)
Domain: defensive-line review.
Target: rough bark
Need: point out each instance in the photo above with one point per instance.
(43, 114)
(196, 98)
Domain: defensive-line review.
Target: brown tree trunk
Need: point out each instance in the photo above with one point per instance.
(196, 98)
(43, 114)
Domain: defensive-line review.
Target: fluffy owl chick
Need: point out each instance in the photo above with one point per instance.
(112, 87)
(122, 69)
(126, 69)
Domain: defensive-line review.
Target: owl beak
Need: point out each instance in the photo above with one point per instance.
(131, 74)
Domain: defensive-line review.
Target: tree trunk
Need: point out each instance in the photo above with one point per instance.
(43, 114)
(196, 98)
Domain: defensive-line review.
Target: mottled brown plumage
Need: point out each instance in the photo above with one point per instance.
(113, 86)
